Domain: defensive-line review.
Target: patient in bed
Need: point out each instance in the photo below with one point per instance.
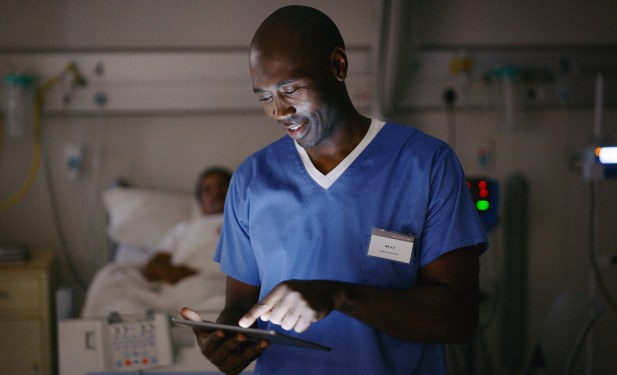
(179, 272)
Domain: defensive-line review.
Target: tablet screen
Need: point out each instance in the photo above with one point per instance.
(253, 334)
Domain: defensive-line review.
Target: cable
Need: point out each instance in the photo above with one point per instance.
(36, 164)
(36, 151)
(58, 228)
(1, 134)
(449, 97)
(593, 261)
(496, 292)
(483, 356)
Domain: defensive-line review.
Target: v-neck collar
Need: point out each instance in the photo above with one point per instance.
(325, 181)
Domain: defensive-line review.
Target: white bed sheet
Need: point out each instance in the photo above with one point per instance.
(140, 218)
(121, 287)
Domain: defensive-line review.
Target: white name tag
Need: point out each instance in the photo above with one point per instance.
(391, 245)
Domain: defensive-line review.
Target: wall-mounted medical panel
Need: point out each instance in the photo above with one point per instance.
(481, 77)
(166, 81)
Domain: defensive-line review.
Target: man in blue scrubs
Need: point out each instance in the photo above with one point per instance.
(357, 234)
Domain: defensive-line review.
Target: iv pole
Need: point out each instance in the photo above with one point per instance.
(595, 278)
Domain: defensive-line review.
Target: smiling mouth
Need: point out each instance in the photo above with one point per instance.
(296, 129)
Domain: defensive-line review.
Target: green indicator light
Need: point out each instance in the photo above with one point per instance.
(482, 205)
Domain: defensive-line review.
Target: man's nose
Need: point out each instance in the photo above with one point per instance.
(279, 108)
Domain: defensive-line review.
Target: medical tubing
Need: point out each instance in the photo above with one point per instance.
(36, 159)
(33, 171)
(515, 284)
(494, 297)
(58, 228)
(1, 134)
(593, 261)
(449, 97)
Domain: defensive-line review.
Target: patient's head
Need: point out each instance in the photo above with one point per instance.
(211, 189)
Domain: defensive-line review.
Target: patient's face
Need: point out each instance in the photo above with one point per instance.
(212, 192)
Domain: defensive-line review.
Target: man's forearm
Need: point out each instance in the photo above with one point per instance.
(430, 313)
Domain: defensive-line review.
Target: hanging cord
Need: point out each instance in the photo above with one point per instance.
(36, 150)
(449, 97)
(1, 134)
(68, 260)
(33, 171)
(593, 261)
(50, 187)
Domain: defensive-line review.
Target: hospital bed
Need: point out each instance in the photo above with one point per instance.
(137, 221)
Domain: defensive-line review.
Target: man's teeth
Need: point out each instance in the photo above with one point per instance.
(295, 127)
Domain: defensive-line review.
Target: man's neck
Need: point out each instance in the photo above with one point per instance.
(326, 156)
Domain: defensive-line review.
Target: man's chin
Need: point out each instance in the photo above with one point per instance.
(304, 142)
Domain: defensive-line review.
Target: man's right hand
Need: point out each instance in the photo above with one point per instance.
(230, 354)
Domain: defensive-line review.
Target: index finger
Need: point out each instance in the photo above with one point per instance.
(263, 306)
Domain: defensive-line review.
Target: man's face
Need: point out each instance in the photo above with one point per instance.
(212, 194)
(293, 89)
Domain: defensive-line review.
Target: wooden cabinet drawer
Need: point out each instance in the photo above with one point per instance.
(20, 294)
(22, 347)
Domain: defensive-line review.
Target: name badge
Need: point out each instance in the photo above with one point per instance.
(391, 245)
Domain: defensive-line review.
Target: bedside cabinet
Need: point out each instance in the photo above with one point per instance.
(26, 318)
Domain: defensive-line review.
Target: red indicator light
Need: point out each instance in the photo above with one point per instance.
(483, 193)
(482, 184)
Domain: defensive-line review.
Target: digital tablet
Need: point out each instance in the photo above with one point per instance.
(253, 334)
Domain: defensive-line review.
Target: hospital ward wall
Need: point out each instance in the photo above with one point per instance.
(151, 149)
(558, 216)
(542, 150)
(166, 151)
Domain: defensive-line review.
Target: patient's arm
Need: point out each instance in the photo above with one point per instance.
(160, 268)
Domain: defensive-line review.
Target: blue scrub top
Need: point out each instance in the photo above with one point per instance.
(280, 225)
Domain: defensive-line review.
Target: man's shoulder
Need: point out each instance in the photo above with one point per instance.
(264, 156)
(266, 152)
(410, 135)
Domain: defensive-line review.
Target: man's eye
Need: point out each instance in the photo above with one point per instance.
(290, 91)
(264, 98)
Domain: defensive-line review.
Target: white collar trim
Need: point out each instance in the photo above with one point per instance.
(325, 181)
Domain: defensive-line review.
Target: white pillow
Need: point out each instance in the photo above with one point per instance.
(142, 216)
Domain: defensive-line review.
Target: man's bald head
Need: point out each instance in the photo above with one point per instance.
(310, 31)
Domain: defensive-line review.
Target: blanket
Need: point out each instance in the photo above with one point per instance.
(120, 287)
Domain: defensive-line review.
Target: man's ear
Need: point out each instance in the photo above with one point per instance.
(339, 63)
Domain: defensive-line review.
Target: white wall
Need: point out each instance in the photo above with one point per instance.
(157, 24)
(516, 23)
(166, 151)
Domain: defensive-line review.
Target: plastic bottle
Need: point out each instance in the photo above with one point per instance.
(19, 105)
(508, 95)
